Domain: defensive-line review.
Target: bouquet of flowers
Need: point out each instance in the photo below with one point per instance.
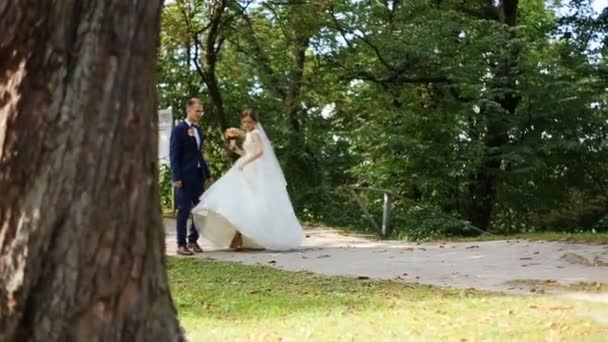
(233, 133)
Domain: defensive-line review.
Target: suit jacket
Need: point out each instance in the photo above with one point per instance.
(187, 162)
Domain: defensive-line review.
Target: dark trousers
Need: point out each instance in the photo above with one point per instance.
(182, 223)
(185, 204)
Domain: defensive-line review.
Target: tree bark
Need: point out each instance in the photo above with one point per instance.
(484, 185)
(292, 102)
(81, 237)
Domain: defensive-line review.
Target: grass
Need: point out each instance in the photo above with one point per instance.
(548, 285)
(584, 237)
(219, 301)
(589, 237)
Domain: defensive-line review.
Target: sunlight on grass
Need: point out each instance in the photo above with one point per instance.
(540, 236)
(220, 301)
(551, 285)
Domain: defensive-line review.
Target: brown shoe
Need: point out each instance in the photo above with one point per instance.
(194, 247)
(183, 250)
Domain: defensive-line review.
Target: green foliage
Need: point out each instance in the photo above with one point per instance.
(423, 223)
(166, 186)
(454, 113)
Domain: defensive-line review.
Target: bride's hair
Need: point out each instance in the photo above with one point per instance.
(250, 114)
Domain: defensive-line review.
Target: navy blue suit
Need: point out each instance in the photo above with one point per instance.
(189, 167)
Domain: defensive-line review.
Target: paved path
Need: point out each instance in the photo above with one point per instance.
(492, 265)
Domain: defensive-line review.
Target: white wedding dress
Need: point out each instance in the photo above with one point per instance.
(253, 201)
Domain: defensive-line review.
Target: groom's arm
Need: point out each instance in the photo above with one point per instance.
(175, 153)
(206, 170)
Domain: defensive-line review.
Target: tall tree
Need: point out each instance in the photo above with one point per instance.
(504, 100)
(81, 237)
(204, 43)
(293, 24)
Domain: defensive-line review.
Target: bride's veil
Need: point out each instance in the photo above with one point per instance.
(272, 169)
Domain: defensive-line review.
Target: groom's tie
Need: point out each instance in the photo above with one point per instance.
(195, 127)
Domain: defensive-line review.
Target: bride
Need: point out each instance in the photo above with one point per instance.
(249, 206)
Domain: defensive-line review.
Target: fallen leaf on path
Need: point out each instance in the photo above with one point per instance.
(574, 258)
(560, 308)
(323, 256)
(599, 262)
(471, 247)
(526, 258)
(408, 249)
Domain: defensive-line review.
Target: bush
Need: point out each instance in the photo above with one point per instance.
(422, 222)
(165, 188)
(601, 225)
(337, 208)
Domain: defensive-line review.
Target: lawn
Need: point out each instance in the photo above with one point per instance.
(220, 301)
(587, 237)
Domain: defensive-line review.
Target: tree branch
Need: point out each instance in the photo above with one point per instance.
(343, 31)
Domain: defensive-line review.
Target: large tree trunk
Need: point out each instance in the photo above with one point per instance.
(81, 237)
(483, 189)
(292, 102)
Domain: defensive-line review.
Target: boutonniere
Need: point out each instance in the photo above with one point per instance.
(191, 131)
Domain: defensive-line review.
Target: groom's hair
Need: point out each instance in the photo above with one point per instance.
(249, 113)
(193, 101)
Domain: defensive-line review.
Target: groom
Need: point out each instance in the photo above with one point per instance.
(189, 171)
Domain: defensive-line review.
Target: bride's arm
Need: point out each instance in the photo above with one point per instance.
(259, 151)
(238, 151)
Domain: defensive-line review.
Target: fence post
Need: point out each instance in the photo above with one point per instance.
(366, 212)
(386, 214)
(173, 199)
